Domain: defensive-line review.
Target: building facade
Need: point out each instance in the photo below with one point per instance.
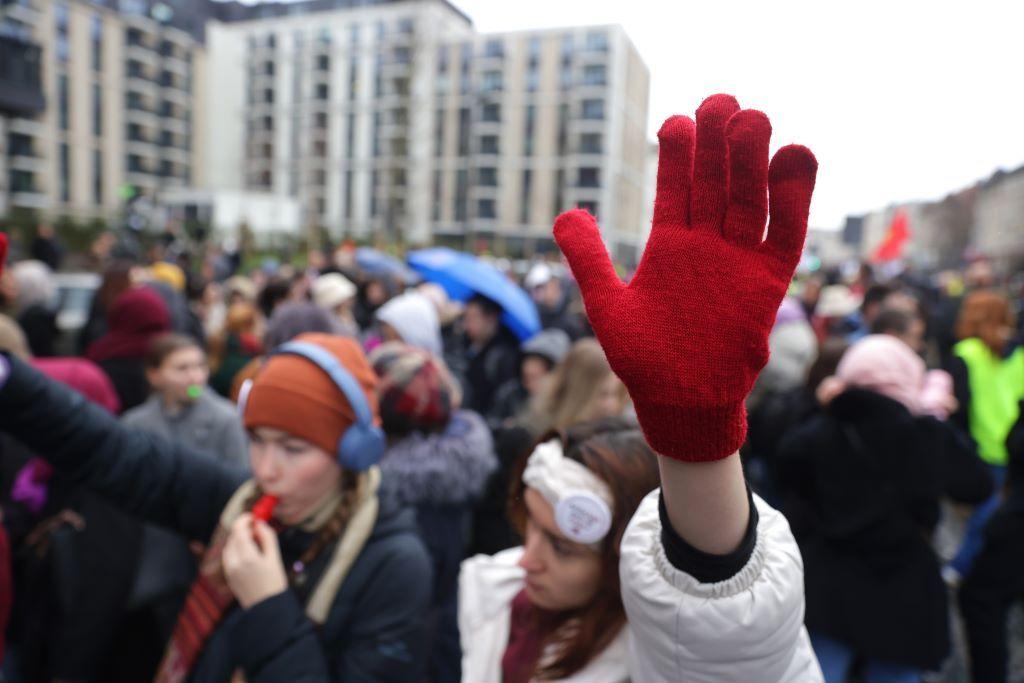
(122, 93)
(399, 122)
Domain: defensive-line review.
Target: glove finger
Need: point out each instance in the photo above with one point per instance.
(675, 171)
(710, 162)
(790, 185)
(747, 135)
(579, 238)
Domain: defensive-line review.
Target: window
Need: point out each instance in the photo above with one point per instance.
(594, 74)
(485, 208)
(488, 144)
(353, 74)
(559, 190)
(402, 55)
(320, 120)
(532, 77)
(374, 183)
(464, 124)
(321, 91)
(491, 113)
(348, 194)
(22, 181)
(268, 68)
(65, 173)
(590, 143)
(97, 110)
(565, 76)
(96, 31)
(589, 206)
(268, 95)
(350, 142)
(60, 16)
(438, 132)
(528, 132)
(567, 45)
(353, 34)
(62, 101)
(494, 48)
(533, 48)
(597, 41)
(563, 129)
(435, 210)
(405, 26)
(524, 196)
(461, 188)
(492, 81)
(589, 177)
(593, 109)
(442, 58)
(488, 176)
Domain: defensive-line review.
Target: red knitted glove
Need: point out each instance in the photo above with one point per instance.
(689, 334)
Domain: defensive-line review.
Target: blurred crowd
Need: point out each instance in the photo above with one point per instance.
(885, 427)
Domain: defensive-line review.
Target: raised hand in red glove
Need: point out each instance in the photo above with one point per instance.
(689, 334)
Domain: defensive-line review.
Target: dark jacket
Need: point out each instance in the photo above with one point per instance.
(442, 475)
(68, 600)
(489, 368)
(861, 485)
(40, 326)
(128, 375)
(375, 627)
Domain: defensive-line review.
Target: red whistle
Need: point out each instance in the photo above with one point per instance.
(264, 508)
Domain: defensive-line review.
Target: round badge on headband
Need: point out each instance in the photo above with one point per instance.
(581, 499)
(583, 517)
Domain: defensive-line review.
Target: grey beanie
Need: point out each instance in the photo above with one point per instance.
(551, 344)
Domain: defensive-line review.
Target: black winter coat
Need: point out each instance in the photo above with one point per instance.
(861, 485)
(374, 631)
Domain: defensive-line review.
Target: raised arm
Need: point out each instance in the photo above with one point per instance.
(689, 334)
(156, 480)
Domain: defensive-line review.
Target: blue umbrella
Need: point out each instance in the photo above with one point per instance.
(463, 275)
(374, 262)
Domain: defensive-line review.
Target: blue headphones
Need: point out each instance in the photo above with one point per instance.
(362, 444)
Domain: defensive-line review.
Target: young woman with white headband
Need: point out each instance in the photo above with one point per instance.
(711, 578)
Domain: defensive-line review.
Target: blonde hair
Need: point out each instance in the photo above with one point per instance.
(12, 338)
(570, 390)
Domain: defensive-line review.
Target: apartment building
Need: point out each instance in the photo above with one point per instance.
(399, 121)
(122, 90)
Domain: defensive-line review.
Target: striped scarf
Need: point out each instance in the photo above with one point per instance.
(209, 598)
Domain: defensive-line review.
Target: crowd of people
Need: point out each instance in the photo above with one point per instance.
(457, 504)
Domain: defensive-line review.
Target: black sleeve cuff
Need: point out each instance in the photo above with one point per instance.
(705, 567)
(267, 628)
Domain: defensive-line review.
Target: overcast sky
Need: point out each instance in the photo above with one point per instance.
(899, 100)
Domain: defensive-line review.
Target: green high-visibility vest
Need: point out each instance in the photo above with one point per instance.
(997, 387)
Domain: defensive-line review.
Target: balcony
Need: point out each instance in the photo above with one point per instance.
(142, 149)
(31, 199)
(23, 11)
(177, 155)
(147, 87)
(144, 54)
(21, 91)
(177, 65)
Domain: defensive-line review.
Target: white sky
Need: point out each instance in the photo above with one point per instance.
(899, 100)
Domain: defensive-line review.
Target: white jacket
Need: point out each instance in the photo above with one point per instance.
(487, 585)
(748, 629)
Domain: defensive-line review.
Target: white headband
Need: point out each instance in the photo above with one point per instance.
(582, 500)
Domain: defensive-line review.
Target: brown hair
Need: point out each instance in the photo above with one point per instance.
(241, 317)
(569, 390)
(166, 344)
(984, 314)
(614, 449)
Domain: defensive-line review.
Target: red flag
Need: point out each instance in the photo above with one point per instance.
(896, 238)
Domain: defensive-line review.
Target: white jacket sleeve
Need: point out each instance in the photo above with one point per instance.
(749, 628)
